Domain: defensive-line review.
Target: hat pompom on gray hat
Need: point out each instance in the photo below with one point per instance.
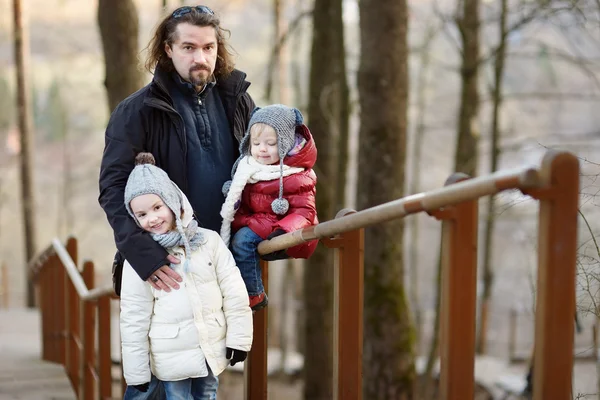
(283, 120)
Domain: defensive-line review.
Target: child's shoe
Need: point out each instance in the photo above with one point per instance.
(259, 301)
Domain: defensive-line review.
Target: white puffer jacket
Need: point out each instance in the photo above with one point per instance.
(173, 333)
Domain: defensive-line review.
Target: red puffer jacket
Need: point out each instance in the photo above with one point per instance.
(298, 189)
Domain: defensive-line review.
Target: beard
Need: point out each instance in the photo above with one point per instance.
(200, 80)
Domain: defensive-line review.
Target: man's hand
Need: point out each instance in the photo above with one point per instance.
(165, 278)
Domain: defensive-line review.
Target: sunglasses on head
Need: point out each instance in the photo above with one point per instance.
(187, 9)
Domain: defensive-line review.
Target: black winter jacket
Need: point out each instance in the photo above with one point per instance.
(147, 122)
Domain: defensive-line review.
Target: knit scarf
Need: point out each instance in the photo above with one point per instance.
(192, 236)
(248, 171)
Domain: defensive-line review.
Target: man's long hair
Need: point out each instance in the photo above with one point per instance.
(166, 33)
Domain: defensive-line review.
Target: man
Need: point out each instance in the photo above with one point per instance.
(191, 117)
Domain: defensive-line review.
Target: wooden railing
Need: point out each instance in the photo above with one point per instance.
(76, 321)
(555, 185)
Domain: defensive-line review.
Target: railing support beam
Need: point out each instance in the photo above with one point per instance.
(557, 255)
(349, 290)
(255, 367)
(458, 305)
(87, 358)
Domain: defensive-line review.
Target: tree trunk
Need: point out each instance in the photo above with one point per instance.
(466, 156)
(21, 47)
(283, 316)
(118, 23)
(389, 358)
(299, 99)
(488, 270)
(328, 120)
(7, 108)
(282, 60)
(415, 184)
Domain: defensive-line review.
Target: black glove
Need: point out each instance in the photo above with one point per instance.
(279, 254)
(235, 355)
(142, 388)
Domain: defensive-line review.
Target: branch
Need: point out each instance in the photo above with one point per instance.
(277, 48)
(532, 15)
(580, 158)
(444, 26)
(583, 63)
(551, 96)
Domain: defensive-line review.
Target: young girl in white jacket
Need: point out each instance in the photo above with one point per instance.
(185, 337)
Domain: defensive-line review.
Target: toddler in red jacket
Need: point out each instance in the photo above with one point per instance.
(272, 192)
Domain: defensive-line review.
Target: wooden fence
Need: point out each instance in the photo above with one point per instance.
(79, 335)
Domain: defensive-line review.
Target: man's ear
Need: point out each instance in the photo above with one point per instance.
(168, 50)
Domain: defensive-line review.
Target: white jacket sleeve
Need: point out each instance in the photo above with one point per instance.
(235, 298)
(137, 303)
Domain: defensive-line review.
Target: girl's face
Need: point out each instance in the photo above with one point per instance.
(152, 214)
(263, 144)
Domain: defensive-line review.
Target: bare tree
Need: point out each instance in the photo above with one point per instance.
(328, 120)
(7, 107)
(467, 154)
(283, 36)
(488, 270)
(21, 47)
(389, 371)
(417, 149)
(118, 22)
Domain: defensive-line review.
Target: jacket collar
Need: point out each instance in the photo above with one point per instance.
(306, 157)
(232, 85)
(189, 89)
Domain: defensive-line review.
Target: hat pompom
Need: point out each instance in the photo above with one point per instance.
(280, 206)
(226, 187)
(144, 158)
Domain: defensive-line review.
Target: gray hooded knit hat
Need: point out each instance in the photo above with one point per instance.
(283, 120)
(146, 178)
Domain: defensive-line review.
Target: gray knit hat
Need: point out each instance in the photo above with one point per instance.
(146, 178)
(283, 120)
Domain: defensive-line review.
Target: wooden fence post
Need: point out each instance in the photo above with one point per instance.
(255, 367)
(348, 339)
(557, 256)
(104, 348)
(458, 306)
(87, 370)
(71, 306)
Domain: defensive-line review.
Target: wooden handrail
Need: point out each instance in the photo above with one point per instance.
(522, 178)
(83, 292)
(76, 321)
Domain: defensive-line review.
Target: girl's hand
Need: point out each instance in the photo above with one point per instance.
(165, 278)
